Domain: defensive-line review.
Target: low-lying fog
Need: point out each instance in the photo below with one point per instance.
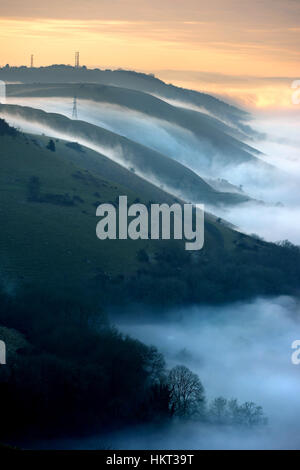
(279, 218)
(242, 351)
(157, 134)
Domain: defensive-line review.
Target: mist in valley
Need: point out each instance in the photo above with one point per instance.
(157, 134)
(278, 218)
(240, 350)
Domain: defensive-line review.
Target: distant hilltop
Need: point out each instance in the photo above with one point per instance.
(145, 82)
(79, 71)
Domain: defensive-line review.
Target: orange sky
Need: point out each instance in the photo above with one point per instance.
(233, 38)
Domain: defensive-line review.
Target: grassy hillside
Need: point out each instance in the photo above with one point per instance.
(51, 231)
(156, 167)
(50, 242)
(40, 236)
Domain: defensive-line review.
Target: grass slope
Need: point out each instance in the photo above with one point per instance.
(53, 245)
(156, 167)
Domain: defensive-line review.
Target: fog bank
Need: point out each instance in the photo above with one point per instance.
(241, 350)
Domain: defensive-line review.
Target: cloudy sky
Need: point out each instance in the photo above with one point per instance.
(246, 46)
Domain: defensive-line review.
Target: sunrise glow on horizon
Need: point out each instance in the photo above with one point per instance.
(249, 54)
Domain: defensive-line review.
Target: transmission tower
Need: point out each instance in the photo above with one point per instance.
(76, 60)
(74, 113)
(31, 61)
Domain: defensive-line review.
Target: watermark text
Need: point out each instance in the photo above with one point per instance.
(180, 222)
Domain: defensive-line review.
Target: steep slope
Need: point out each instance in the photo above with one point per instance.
(48, 241)
(153, 166)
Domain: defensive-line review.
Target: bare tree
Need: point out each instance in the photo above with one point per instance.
(251, 414)
(186, 392)
(222, 411)
(218, 411)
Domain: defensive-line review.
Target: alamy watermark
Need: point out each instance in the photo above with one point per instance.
(2, 353)
(188, 222)
(295, 357)
(296, 94)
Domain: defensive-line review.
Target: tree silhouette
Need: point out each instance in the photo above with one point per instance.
(186, 392)
(222, 411)
(218, 410)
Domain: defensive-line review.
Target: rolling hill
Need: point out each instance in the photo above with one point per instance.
(131, 80)
(222, 137)
(151, 165)
(48, 241)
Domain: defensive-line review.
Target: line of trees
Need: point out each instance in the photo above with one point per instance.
(187, 400)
